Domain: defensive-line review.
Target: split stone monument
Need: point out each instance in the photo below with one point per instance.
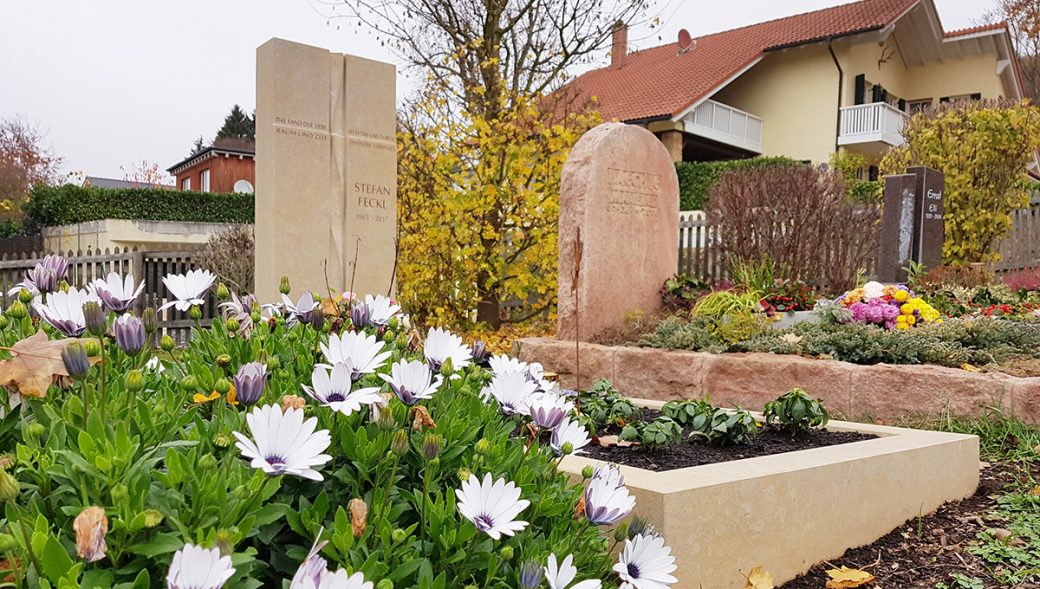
(619, 229)
(326, 170)
(912, 226)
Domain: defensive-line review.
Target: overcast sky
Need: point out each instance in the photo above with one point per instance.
(114, 82)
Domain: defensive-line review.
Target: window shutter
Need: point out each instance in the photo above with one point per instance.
(944, 99)
(861, 88)
(902, 105)
(876, 94)
(976, 96)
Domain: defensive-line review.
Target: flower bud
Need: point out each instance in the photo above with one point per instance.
(93, 347)
(385, 419)
(24, 296)
(385, 584)
(273, 363)
(358, 512)
(447, 368)
(317, 320)
(621, 532)
(189, 384)
(387, 335)
(479, 351)
(150, 319)
(293, 402)
(152, 518)
(482, 447)
(463, 474)
(224, 543)
(398, 535)
(129, 333)
(76, 361)
(506, 552)
(17, 310)
(90, 526)
(249, 382)
(231, 325)
(530, 574)
(222, 292)
(255, 316)
(222, 386)
(6, 461)
(9, 487)
(195, 313)
(63, 286)
(207, 462)
(221, 440)
(119, 493)
(4, 322)
(586, 473)
(431, 446)
(36, 429)
(134, 381)
(283, 286)
(224, 360)
(567, 448)
(167, 344)
(399, 445)
(94, 318)
(7, 543)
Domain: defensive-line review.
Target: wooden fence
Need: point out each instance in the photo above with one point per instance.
(150, 266)
(1021, 248)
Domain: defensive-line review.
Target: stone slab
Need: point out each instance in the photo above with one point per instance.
(326, 161)
(790, 511)
(619, 223)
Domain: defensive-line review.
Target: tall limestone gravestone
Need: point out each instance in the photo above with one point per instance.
(326, 177)
(912, 226)
(619, 229)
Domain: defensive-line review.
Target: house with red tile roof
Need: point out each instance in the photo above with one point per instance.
(803, 86)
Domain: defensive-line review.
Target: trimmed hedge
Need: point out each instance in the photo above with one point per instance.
(697, 178)
(49, 206)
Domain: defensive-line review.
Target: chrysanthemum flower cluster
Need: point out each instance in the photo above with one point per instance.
(892, 306)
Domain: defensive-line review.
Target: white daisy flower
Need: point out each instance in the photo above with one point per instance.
(441, 345)
(569, 432)
(302, 311)
(154, 365)
(365, 353)
(646, 563)
(547, 410)
(560, 576)
(314, 574)
(194, 567)
(64, 310)
(333, 389)
(503, 363)
(381, 309)
(607, 500)
(283, 443)
(412, 381)
(116, 293)
(187, 289)
(512, 390)
(492, 506)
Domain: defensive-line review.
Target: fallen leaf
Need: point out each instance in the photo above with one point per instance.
(969, 368)
(610, 441)
(329, 308)
(36, 363)
(759, 579)
(846, 578)
(1035, 491)
(1001, 534)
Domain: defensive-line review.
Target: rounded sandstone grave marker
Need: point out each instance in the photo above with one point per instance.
(619, 195)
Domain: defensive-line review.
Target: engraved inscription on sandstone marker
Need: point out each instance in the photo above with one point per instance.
(633, 193)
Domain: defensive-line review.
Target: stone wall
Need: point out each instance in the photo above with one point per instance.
(881, 391)
(113, 233)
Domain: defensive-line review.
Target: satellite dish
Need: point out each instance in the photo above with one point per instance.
(685, 41)
(244, 186)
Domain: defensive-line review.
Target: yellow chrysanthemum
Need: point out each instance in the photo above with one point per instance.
(900, 295)
(906, 309)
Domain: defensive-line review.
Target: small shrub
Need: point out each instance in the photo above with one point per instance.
(684, 412)
(681, 334)
(790, 295)
(656, 434)
(603, 405)
(680, 292)
(966, 275)
(1023, 280)
(726, 427)
(796, 412)
(229, 254)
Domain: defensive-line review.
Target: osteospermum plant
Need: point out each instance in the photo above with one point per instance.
(288, 445)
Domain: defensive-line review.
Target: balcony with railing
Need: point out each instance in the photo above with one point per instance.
(878, 124)
(719, 122)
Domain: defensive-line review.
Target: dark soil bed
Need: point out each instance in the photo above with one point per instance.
(694, 453)
(927, 551)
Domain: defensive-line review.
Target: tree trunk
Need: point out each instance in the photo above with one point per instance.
(488, 307)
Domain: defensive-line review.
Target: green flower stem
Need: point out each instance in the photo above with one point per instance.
(251, 504)
(492, 569)
(28, 547)
(104, 380)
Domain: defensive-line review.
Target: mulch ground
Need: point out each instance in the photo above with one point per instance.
(924, 552)
(694, 453)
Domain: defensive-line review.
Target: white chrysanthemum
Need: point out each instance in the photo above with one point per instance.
(283, 443)
(117, 293)
(381, 309)
(198, 568)
(441, 345)
(187, 289)
(607, 500)
(333, 389)
(365, 353)
(64, 310)
(547, 410)
(646, 563)
(512, 390)
(560, 576)
(492, 506)
(412, 381)
(569, 432)
(873, 290)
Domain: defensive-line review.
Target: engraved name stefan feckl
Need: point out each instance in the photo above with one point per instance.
(633, 193)
(369, 195)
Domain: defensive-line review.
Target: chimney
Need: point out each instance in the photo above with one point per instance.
(619, 44)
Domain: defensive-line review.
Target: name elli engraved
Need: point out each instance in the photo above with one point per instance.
(633, 193)
(934, 212)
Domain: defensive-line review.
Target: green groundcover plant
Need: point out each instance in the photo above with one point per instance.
(306, 444)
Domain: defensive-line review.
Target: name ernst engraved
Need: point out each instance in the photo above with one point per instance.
(633, 193)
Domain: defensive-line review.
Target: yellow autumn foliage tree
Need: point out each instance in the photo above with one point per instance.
(478, 209)
(983, 148)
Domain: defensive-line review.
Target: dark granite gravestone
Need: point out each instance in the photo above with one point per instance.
(897, 227)
(929, 228)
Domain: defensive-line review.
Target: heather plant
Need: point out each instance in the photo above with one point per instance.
(328, 434)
